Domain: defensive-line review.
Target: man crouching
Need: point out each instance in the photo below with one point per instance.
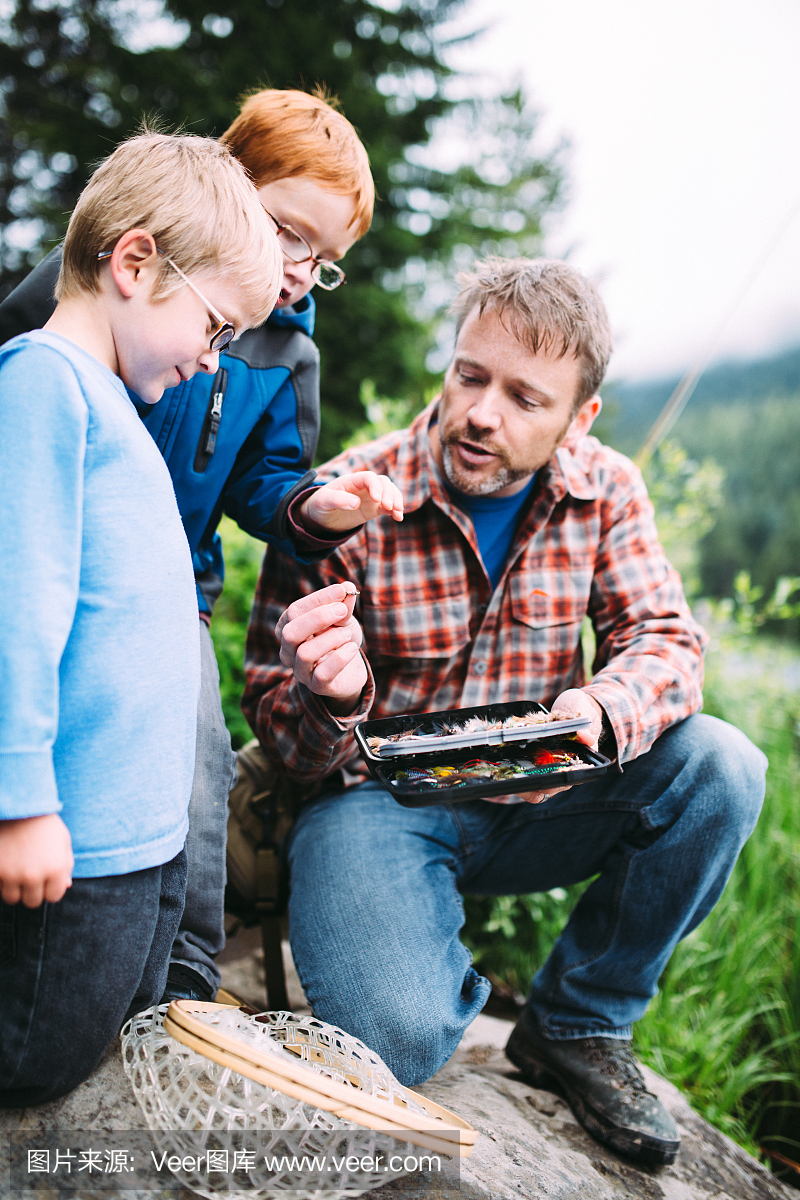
(518, 525)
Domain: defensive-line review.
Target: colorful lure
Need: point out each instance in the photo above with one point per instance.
(543, 762)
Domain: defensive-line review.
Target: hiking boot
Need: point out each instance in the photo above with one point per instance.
(601, 1081)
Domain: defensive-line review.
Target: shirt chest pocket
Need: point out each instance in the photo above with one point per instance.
(552, 603)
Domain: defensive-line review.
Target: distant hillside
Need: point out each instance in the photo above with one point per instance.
(631, 408)
(746, 416)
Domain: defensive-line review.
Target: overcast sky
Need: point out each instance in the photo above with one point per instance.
(684, 120)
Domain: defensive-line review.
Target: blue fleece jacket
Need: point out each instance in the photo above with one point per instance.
(99, 653)
(260, 413)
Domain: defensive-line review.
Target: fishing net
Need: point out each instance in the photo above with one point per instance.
(278, 1104)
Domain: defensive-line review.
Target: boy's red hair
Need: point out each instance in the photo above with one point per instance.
(281, 134)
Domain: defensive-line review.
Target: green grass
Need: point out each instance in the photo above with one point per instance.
(726, 1024)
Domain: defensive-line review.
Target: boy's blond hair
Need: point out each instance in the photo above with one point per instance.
(549, 305)
(284, 134)
(195, 199)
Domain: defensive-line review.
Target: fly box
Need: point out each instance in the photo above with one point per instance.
(469, 753)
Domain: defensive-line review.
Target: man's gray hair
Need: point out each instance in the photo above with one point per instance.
(547, 305)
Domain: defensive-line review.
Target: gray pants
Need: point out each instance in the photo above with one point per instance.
(202, 929)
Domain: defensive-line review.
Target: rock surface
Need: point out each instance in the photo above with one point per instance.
(531, 1145)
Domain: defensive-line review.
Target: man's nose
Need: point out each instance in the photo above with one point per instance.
(485, 410)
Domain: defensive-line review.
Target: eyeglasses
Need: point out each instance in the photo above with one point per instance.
(224, 333)
(295, 247)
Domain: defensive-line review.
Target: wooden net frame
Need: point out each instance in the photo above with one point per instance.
(217, 1075)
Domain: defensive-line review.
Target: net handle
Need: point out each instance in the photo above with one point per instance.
(451, 1136)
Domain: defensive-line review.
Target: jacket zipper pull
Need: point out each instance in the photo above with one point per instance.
(215, 414)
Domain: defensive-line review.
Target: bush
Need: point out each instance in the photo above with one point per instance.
(243, 556)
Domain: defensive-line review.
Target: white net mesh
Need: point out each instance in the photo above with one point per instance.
(274, 1145)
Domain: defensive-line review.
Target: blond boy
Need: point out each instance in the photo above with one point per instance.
(98, 646)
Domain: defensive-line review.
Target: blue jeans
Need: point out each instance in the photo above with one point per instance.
(202, 931)
(376, 910)
(72, 973)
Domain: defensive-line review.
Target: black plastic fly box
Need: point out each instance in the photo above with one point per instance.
(470, 753)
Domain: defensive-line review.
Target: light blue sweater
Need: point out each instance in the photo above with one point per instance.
(99, 645)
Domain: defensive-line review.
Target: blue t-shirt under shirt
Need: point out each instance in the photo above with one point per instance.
(495, 519)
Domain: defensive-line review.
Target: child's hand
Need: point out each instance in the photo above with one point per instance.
(35, 860)
(353, 499)
(320, 641)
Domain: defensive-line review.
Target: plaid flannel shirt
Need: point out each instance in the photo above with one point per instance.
(436, 636)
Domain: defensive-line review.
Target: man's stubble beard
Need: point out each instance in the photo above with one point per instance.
(463, 481)
(502, 477)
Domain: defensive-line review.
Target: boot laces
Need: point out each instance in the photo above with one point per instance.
(618, 1060)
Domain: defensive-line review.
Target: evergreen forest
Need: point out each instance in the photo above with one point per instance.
(746, 417)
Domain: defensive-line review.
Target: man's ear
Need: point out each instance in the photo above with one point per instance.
(582, 422)
(133, 259)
